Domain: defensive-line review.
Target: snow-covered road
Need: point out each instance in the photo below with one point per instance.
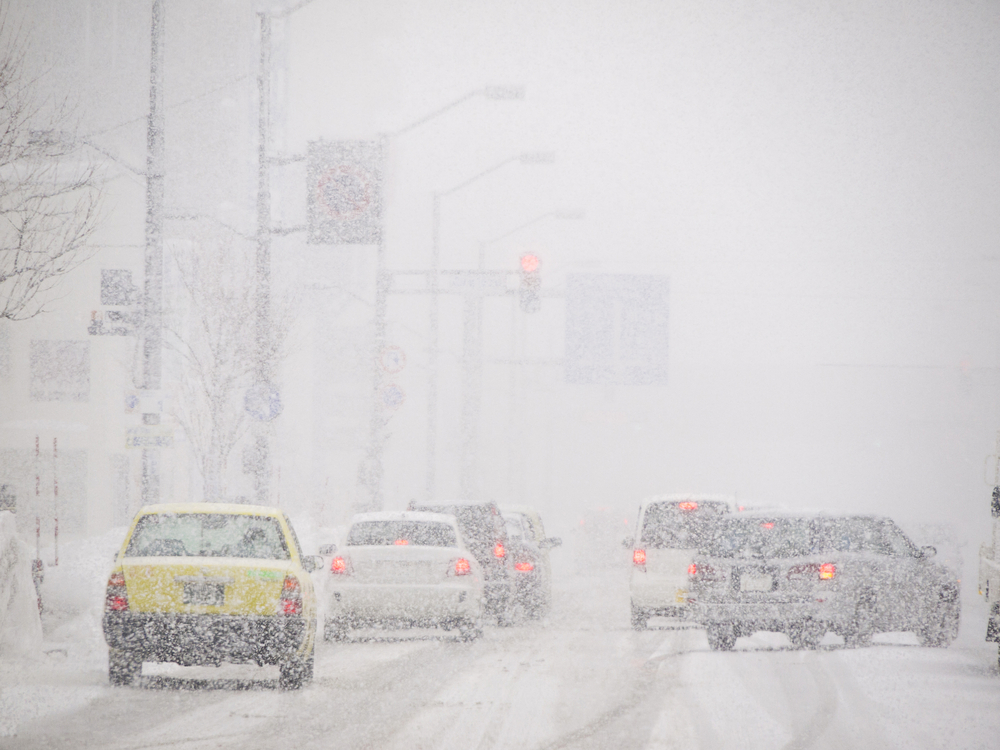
(582, 679)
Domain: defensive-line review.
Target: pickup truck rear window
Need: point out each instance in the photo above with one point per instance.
(763, 538)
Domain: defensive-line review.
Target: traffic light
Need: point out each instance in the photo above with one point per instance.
(529, 293)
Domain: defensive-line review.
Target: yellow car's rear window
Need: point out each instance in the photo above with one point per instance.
(208, 535)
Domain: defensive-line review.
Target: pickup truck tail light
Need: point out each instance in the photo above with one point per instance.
(702, 573)
(813, 571)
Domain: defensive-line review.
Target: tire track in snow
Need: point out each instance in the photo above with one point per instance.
(643, 699)
(820, 721)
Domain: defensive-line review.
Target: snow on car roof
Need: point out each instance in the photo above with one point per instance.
(231, 508)
(456, 501)
(404, 515)
(730, 500)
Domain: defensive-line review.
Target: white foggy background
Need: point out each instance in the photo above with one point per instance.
(819, 183)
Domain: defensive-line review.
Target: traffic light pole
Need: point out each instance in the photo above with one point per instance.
(472, 388)
(468, 459)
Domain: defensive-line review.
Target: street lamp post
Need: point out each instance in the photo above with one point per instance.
(371, 473)
(472, 310)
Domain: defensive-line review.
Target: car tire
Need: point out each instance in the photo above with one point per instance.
(506, 617)
(297, 670)
(942, 626)
(469, 630)
(862, 626)
(123, 666)
(806, 635)
(721, 636)
(640, 618)
(335, 630)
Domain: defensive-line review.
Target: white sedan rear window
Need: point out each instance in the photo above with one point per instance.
(417, 533)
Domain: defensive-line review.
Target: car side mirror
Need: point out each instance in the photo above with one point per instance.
(312, 563)
(628, 542)
(928, 552)
(328, 549)
(552, 541)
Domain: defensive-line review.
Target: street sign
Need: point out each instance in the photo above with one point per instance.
(392, 360)
(616, 329)
(263, 402)
(392, 396)
(149, 436)
(345, 192)
(144, 402)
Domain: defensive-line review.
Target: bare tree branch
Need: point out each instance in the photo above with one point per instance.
(48, 202)
(214, 348)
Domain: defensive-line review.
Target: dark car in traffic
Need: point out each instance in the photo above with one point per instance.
(807, 575)
(529, 549)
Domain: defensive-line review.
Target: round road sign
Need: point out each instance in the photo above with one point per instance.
(392, 396)
(262, 401)
(392, 360)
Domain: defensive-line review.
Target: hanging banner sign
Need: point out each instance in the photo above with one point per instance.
(344, 180)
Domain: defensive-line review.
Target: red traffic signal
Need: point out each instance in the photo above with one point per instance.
(528, 293)
(530, 263)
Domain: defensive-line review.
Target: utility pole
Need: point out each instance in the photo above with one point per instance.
(262, 307)
(153, 293)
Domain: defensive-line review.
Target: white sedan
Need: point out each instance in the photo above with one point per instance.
(404, 569)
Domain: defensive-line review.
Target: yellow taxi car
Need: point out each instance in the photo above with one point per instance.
(206, 583)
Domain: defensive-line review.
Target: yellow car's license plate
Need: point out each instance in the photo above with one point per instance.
(205, 594)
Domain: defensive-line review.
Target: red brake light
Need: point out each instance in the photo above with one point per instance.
(462, 567)
(827, 571)
(498, 550)
(338, 565)
(704, 573)
(639, 556)
(401, 542)
(524, 567)
(688, 505)
(767, 525)
(116, 599)
(291, 597)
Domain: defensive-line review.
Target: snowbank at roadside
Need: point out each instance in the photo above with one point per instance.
(20, 624)
(73, 592)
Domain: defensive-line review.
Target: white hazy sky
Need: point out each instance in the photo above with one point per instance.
(820, 181)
